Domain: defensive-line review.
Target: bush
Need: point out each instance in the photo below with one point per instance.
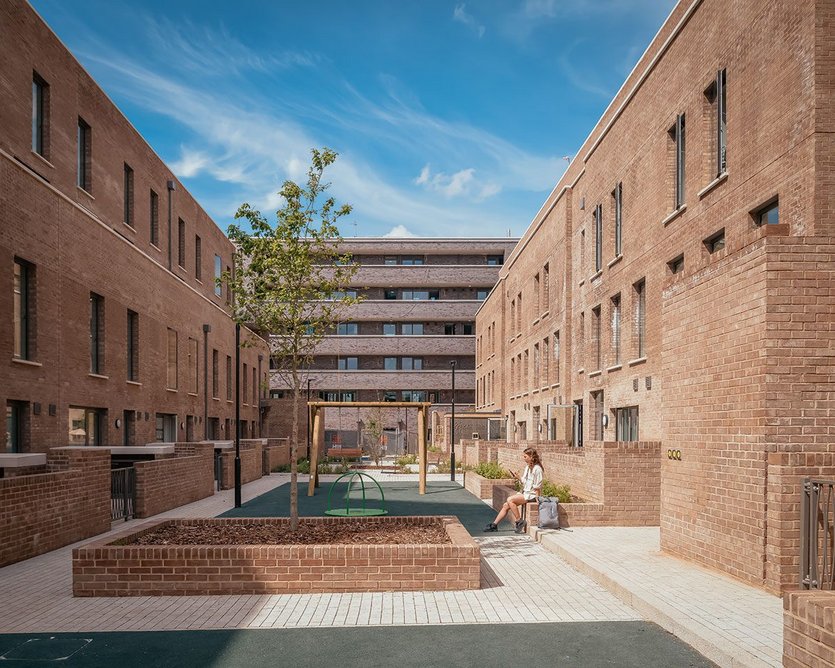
(444, 467)
(406, 460)
(491, 470)
(562, 492)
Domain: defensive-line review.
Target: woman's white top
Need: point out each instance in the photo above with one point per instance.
(531, 480)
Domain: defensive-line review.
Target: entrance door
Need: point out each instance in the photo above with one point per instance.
(577, 440)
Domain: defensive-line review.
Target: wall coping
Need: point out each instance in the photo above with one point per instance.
(13, 460)
(149, 449)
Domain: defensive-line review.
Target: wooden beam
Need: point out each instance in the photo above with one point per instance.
(318, 433)
(422, 450)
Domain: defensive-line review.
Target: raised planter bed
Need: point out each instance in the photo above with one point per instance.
(571, 514)
(110, 568)
(483, 487)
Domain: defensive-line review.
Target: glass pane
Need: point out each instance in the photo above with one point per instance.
(77, 427)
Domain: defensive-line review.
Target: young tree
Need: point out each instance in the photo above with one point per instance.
(289, 283)
(374, 427)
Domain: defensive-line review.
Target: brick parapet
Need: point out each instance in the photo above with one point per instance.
(482, 487)
(809, 629)
(252, 463)
(163, 484)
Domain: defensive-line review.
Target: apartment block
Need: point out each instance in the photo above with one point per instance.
(415, 321)
(114, 329)
(678, 284)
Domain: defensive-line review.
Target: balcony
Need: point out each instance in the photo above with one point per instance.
(389, 380)
(392, 310)
(391, 346)
(426, 276)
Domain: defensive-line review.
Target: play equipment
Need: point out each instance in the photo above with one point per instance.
(347, 511)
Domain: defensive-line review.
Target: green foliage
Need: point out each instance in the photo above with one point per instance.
(562, 492)
(491, 470)
(444, 467)
(406, 460)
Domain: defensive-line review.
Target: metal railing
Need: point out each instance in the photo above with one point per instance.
(817, 534)
(218, 470)
(122, 493)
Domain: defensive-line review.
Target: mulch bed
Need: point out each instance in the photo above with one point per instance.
(371, 533)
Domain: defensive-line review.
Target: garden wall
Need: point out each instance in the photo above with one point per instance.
(482, 487)
(279, 453)
(163, 484)
(43, 512)
(809, 629)
(251, 463)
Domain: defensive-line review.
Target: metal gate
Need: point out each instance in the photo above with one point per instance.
(122, 493)
(817, 534)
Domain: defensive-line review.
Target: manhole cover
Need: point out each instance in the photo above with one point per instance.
(46, 649)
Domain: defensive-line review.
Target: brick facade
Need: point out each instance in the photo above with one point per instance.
(107, 569)
(43, 512)
(809, 629)
(251, 463)
(481, 487)
(722, 349)
(163, 484)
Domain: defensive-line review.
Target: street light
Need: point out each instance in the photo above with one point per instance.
(237, 415)
(452, 427)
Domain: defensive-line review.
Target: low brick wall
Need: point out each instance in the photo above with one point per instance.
(104, 569)
(809, 628)
(475, 452)
(43, 512)
(571, 514)
(252, 464)
(279, 452)
(163, 484)
(482, 487)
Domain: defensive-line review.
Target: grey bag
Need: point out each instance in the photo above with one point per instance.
(549, 516)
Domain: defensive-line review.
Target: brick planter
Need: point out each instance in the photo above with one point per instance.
(483, 487)
(104, 569)
(571, 514)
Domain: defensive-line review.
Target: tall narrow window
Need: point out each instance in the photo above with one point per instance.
(40, 116)
(244, 383)
(546, 354)
(133, 346)
(16, 412)
(639, 296)
(181, 242)
(677, 137)
(128, 186)
(192, 366)
(721, 124)
(229, 384)
(615, 330)
(198, 258)
(24, 274)
(218, 274)
(596, 343)
(171, 379)
(154, 219)
(537, 380)
(214, 374)
(617, 201)
(557, 357)
(536, 295)
(546, 288)
(598, 237)
(254, 389)
(84, 156)
(519, 313)
(96, 333)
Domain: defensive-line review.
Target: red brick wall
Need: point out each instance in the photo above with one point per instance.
(39, 513)
(251, 463)
(809, 629)
(162, 484)
(105, 569)
(571, 514)
(279, 449)
(483, 487)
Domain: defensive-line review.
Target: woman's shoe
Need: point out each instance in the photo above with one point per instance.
(491, 527)
(521, 526)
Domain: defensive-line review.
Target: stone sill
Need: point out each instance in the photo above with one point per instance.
(710, 186)
(18, 360)
(635, 362)
(675, 214)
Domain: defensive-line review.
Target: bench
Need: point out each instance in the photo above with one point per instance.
(345, 453)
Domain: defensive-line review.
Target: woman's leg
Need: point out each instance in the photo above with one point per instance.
(511, 505)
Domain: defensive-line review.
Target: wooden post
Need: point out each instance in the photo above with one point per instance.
(422, 450)
(318, 432)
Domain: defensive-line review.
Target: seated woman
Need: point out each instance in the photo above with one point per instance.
(531, 487)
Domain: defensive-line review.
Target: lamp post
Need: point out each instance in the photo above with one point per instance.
(237, 415)
(452, 427)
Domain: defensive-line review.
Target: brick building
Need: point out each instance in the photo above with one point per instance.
(417, 317)
(114, 331)
(678, 283)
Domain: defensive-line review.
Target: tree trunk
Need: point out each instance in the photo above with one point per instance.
(294, 455)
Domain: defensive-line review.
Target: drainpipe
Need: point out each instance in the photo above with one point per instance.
(206, 330)
(171, 188)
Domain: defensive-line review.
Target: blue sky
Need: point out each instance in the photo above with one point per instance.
(451, 118)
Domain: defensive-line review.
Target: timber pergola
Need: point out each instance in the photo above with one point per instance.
(317, 410)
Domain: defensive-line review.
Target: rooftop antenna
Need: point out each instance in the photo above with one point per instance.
(567, 158)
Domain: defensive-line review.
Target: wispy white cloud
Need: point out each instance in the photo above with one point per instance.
(399, 231)
(581, 80)
(462, 183)
(461, 15)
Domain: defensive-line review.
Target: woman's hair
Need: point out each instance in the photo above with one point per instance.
(534, 455)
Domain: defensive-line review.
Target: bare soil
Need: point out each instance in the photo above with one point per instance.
(307, 534)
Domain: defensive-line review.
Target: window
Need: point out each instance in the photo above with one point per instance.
(128, 196)
(166, 428)
(413, 395)
(536, 295)
(626, 423)
(598, 237)
(171, 378)
(243, 383)
(389, 396)
(481, 293)
(390, 260)
(768, 215)
(676, 265)
(350, 363)
(154, 219)
(717, 99)
(495, 260)
(467, 328)
(276, 394)
(229, 385)
(597, 416)
(133, 346)
(411, 363)
(40, 116)
(677, 139)
(218, 276)
(389, 329)
(413, 328)
(128, 428)
(519, 313)
(413, 260)
(390, 364)
(181, 243)
(449, 329)
(415, 295)
(536, 368)
(96, 333)
(639, 299)
(84, 156)
(16, 413)
(390, 294)
(342, 294)
(597, 349)
(546, 288)
(86, 426)
(192, 366)
(557, 357)
(254, 391)
(214, 374)
(198, 258)
(24, 293)
(617, 202)
(715, 242)
(347, 329)
(615, 308)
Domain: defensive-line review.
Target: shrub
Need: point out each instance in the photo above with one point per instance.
(562, 492)
(491, 470)
(406, 459)
(443, 466)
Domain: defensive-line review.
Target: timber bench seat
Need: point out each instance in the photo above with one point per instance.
(345, 453)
